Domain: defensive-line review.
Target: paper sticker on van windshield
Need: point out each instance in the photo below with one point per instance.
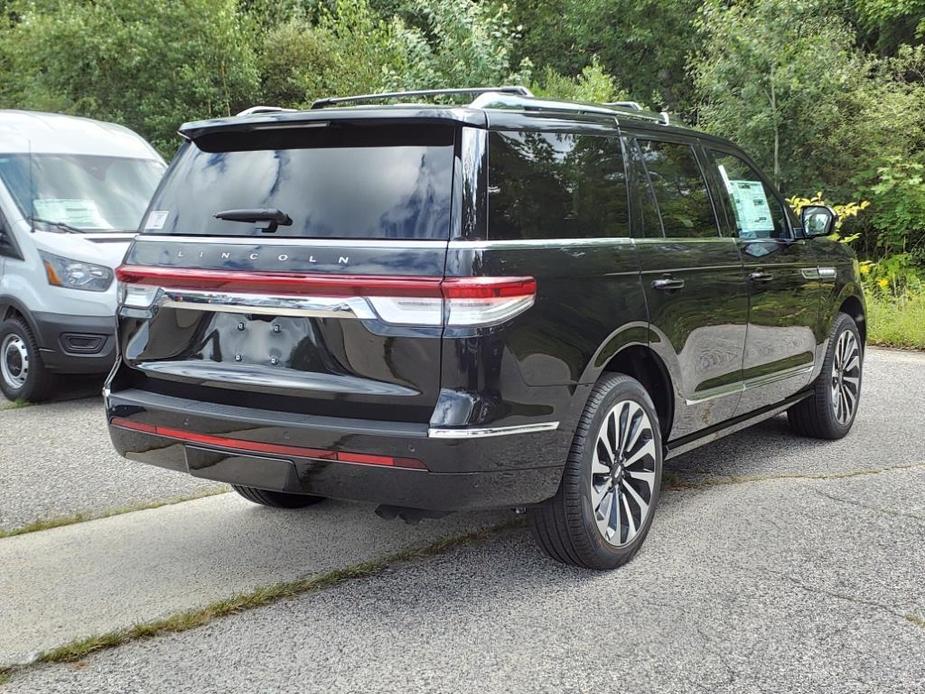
(76, 212)
(751, 207)
(156, 219)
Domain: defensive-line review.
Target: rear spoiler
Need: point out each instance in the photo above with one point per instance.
(282, 120)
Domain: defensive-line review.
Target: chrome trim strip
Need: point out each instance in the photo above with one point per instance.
(505, 244)
(484, 432)
(300, 306)
(759, 381)
(294, 241)
(459, 244)
(827, 273)
(756, 382)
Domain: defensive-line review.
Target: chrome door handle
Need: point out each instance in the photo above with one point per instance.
(668, 284)
(761, 277)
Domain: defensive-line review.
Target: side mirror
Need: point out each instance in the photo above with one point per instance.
(818, 220)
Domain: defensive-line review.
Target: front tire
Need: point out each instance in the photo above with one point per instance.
(610, 487)
(830, 411)
(265, 497)
(23, 375)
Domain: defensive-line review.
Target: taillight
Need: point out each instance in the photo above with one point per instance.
(413, 301)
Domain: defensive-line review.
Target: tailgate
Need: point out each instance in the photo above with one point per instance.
(333, 310)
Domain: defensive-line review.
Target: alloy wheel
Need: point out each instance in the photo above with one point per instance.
(14, 361)
(623, 473)
(846, 377)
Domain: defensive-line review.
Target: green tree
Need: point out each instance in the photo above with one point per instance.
(643, 44)
(779, 77)
(148, 64)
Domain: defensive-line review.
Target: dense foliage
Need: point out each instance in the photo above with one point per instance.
(828, 95)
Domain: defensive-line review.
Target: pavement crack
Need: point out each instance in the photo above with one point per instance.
(843, 596)
(870, 507)
(675, 482)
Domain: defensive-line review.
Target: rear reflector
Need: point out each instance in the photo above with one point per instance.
(227, 442)
(426, 301)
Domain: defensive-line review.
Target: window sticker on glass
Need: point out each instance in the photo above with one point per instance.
(156, 219)
(753, 214)
(83, 214)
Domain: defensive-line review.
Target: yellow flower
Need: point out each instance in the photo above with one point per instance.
(883, 282)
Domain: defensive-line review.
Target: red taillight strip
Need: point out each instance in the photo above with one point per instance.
(271, 448)
(300, 284)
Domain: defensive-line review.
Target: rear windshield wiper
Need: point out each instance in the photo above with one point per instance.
(64, 226)
(272, 218)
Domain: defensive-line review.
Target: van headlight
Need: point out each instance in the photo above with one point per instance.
(76, 274)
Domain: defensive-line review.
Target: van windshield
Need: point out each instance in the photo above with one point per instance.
(333, 181)
(85, 192)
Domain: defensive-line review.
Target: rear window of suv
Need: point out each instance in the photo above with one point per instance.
(338, 182)
(546, 185)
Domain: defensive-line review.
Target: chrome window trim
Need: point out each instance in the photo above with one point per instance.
(503, 244)
(484, 432)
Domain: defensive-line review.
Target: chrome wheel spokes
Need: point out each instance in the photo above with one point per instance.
(623, 472)
(14, 361)
(846, 377)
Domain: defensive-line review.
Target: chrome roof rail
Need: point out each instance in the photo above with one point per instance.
(264, 109)
(385, 96)
(632, 105)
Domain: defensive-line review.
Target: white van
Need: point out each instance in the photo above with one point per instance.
(72, 194)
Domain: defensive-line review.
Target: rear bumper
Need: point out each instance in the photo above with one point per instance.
(268, 450)
(76, 344)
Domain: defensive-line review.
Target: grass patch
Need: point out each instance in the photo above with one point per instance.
(16, 405)
(915, 619)
(5, 674)
(896, 324)
(48, 523)
(190, 619)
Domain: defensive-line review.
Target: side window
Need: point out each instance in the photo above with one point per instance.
(555, 186)
(680, 189)
(756, 210)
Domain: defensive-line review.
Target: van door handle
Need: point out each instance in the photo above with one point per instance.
(761, 277)
(668, 284)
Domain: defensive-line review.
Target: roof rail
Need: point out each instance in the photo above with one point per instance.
(633, 105)
(383, 96)
(617, 108)
(263, 109)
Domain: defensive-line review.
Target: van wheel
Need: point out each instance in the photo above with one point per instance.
(830, 411)
(602, 512)
(276, 499)
(23, 375)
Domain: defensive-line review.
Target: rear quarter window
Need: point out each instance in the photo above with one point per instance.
(556, 186)
(338, 182)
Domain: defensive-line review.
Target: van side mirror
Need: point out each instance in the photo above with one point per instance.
(818, 220)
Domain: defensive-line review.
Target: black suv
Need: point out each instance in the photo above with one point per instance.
(515, 303)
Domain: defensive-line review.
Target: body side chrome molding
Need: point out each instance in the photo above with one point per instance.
(484, 432)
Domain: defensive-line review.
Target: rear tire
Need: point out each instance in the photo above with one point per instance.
(610, 487)
(830, 411)
(23, 375)
(277, 499)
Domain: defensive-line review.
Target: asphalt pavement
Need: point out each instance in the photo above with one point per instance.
(775, 564)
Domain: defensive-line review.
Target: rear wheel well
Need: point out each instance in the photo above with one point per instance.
(852, 306)
(645, 366)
